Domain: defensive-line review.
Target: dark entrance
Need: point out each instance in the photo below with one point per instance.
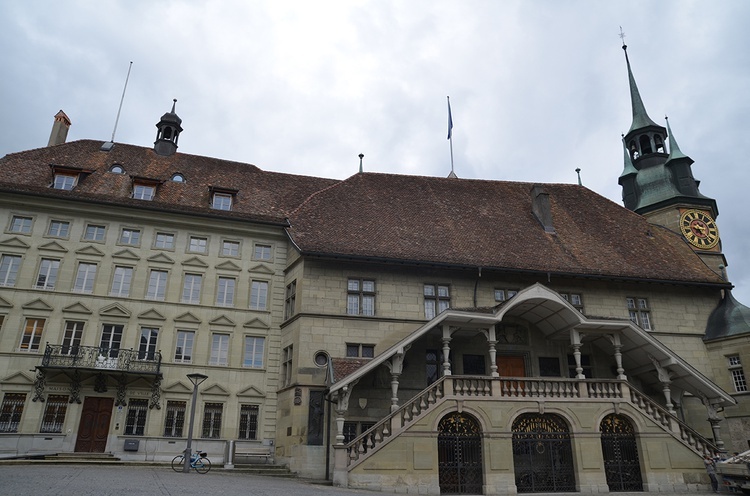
(542, 455)
(94, 425)
(620, 454)
(460, 454)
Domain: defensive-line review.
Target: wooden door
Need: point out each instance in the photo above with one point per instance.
(93, 427)
(512, 366)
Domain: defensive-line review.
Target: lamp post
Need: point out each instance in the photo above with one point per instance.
(196, 379)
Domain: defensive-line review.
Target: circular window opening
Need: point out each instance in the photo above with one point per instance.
(117, 169)
(178, 178)
(321, 359)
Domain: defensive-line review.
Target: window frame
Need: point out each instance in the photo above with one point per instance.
(219, 354)
(259, 252)
(174, 418)
(362, 350)
(184, 343)
(640, 312)
(159, 284)
(435, 303)
(59, 224)
(21, 224)
(55, 410)
(737, 373)
(122, 281)
(135, 418)
(50, 274)
(31, 337)
(95, 230)
(147, 343)
(67, 181)
(72, 336)
(224, 297)
(212, 419)
(253, 355)
(85, 277)
(133, 237)
(357, 297)
(290, 300)
(143, 191)
(572, 298)
(164, 241)
(232, 253)
(222, 201)
(192, 284)
(11, 411)
(249, 421)
(192, 249)
(259, 291)
(9, 271)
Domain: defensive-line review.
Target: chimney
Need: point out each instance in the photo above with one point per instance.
(541, 208)
(59, 129)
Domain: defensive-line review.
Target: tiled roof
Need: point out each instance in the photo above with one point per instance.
(490, 224)
(262, 196)
(343, 367)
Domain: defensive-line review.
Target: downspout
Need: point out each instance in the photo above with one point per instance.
(476, 283)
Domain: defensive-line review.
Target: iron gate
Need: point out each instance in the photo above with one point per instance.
(620, 454)
(542, 455)
(459, 455)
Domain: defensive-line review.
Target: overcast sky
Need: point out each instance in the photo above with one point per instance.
(538, 87)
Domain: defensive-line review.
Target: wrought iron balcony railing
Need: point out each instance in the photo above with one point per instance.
(94, 357)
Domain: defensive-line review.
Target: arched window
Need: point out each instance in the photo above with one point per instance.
(178, 178)
(659, 144)
(167, 133)
(117, 169)
(645, 142)
(633, 150)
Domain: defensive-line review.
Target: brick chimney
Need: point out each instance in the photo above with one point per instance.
(59, 129)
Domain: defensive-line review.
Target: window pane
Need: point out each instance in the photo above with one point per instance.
(84, 282)
(184, 348)
(353, 285)
(352, 304)
(262, 252)
(198, 245)
(94, 233)
(368, 351)
(368, 286)
(429, 290)
(219, 349)
(21, 224)
(58, 229)
(259, 295)
(191, 290)
(254, 352)
(157, 285)
(368, 305)
(164, 241)
(230, 248)
(9, 265)
(352, 350)
(121, 281)
(174, 419)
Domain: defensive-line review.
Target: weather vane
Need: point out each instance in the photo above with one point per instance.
(622, 36)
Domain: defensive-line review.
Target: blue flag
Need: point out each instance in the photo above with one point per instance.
(450, 119)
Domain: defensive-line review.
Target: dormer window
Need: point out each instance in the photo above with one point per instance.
(143, 192)
(222, 198)
(117, 169)
(178, 178)
(65, 181)
(66, 178)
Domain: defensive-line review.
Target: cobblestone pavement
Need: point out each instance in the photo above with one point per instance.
(97, 480)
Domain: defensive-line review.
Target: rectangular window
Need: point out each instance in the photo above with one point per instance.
(47, 274)
(135, 420)
(504, 294)
(738, 373)
(287, 367)
(58, 229)
(219, 349)
(157, 285)
(212, 420)
(111, 340)
(183, 352)
(254, 348)
(262, 252)
(147, 343)
(11, 410)
(197, 244)
(291, 297)
(32, 335)
(356, 350)
(174, 419)
(130, 237)
(84, 282)
(143, 192)
(230, 248)
(225, 292)
(432, 365)
(65, 181)
(191, 288)
(360, 298)
(437, 298)
(164, 241)
(258, 295)
(72, 337)
(549, 367)
(248, 422)
(639, 312)
(94, 233)
(121, 281)
(585, 364)
(54, 413)
(9, 265)
(222, 201)
(574, 299)
(474, 364)
(20, 224)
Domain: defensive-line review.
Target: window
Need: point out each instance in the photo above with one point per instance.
(738, 373)
(9, 265)
(287, 366)
(574, 299)
(174, 419)
(183, 352)
(121, 281)
(84, 282)
(135, 421)
(197, 244)
(32, 335)
(639, 312)
(111, 340)
(11, 410)
(178, 178)
(473, 364)
(58, 229)
(360, 298)
(212, 420)
(549, 367)
(144, 192)
(54, 413)
(585, 364)
(254, 347)
(157, 285)
(432, 365)
(65, 181)
(225, 292)
(219, 349)
(94, 233)
(20, 224)
(130, 237)
(248, 422)
(437, 297)
(230, 248)
(291, 297)
(147, 343)
(258, 295)
(354, 429)
(222, 201)
(47, 274)
(262, 252)
(191, 288)
(360, 350)
(117, 169)
(71, 337)
(504, 294)
(164, 241)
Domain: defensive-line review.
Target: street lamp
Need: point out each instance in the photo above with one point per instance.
(196, 379)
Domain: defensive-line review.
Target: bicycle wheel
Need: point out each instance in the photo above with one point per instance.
(202, 465)
(178, 463)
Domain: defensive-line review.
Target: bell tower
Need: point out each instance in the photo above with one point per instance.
(168, 131)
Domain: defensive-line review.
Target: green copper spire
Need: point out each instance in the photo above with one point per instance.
(674, 150)
(640, 117)
(628, 169)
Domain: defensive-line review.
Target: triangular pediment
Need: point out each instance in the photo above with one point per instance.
(19, 378)
(90, 250)
(215, 390)
(114, 310)
(251, 392)
(261, 269)
(187, 317)
(177, 387)
(229, 265)
(77, 308)
(14, 242)
(222, 320)
(126, 254)
(38, 304)
(53, 246)
(151, 314)
(5, 303)
(195, 262)
(140, 383)
(256, 323)
(161, 258)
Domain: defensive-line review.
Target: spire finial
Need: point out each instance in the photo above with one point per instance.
(578, 171)
(361, 156)
(622, 37)
(174, 102)
(674, 149)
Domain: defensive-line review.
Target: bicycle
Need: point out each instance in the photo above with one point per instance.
(198, 461)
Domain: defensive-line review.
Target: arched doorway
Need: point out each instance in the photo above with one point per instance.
(620, 454)
(460, 454)
(542, 455)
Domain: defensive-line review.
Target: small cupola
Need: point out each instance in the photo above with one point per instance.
(168, 131)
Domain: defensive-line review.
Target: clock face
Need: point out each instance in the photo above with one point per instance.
(699, 229)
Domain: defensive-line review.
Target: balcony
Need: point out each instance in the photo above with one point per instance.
(101, 359)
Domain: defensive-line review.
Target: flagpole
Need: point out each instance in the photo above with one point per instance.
(450, 131)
